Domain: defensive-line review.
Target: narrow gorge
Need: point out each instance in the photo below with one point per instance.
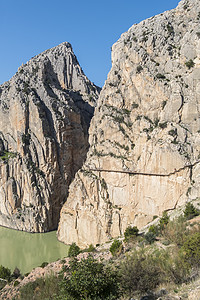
(96, 161)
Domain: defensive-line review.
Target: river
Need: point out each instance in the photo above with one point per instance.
(29, 250)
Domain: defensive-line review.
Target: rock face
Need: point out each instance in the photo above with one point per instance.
(144, 154)
(45, 112)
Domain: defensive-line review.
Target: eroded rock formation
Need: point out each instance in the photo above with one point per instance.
(45, 112)
(144, 154)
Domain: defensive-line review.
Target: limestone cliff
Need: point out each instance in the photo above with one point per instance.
(45, 112)
(144, 154)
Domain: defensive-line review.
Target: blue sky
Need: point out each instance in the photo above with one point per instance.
(29, 27)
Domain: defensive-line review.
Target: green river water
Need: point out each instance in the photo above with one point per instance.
(29, 250)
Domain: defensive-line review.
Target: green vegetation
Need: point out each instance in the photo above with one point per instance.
(150, 237)
(5, 273)
(44, 264)
(164, 220)
(5, 155)
(160, 76)
(190, 64)
(154, 229)
(163, 125)
(90, 249)
(130, 233)
(32, 167)
(170, 28)
(191, 249)
(173, 132)
(89, 279)
(41, 288)
(26, 88)
(146, 278)
(176, 231)
(16, 283)
(190, 211)
(116, 247)
(26, 137)
(135, 105)
(139, 69)
(144, 267)
(74, 250)
(16, 273)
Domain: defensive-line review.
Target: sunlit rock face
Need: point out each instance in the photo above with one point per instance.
(45, 112)
(144, 154)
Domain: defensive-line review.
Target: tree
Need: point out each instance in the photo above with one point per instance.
(74, 250)
(190, 211)
(5, 273)
(89, 279)
(130, 232)
(191, 249)
(116, 247)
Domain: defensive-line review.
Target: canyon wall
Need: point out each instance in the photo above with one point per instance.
(45, 112)
(144, 155)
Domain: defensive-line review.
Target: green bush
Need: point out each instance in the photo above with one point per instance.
(163, 125)
(150, 237)
(191, 249)
(91, 248)
(190, 211)
(130, 232)
(164, 220)
(190, 64)
(5, 273)
(173, 132)
(16, 273)
(166, 242)
(172, 265)
(176, 231)
(74, 250)
(160, 76)
(116, 247)
(44, 264)
(41, 288)
(170, 28)
(144, 270)
(139, 69)
(16, 283)
(140, 272)
(89, 279)
(154, 229)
